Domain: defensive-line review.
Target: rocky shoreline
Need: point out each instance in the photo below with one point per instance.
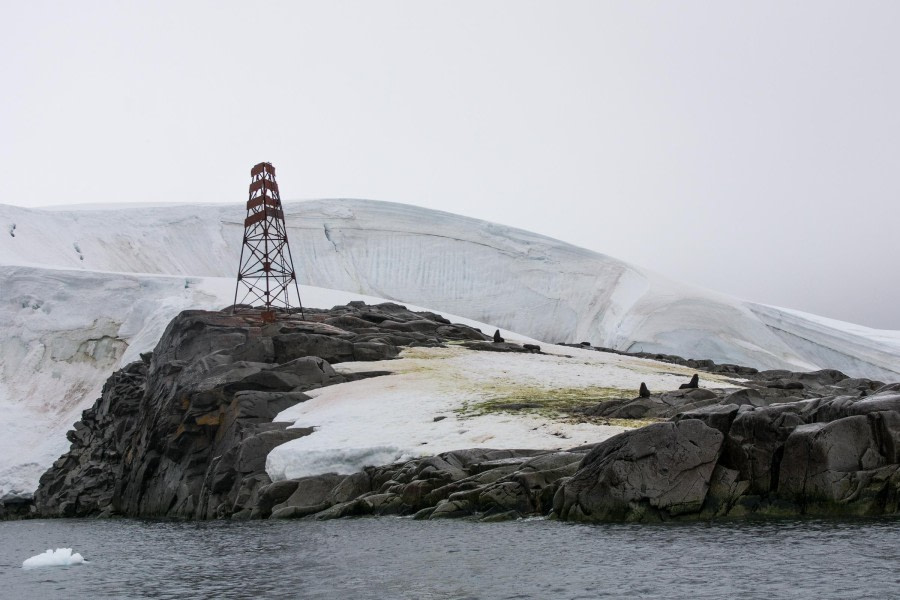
(184, 433)
(834, 456)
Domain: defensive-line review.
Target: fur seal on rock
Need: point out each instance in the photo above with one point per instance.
(693, 384)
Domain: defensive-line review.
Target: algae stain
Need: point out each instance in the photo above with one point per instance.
(553, 403)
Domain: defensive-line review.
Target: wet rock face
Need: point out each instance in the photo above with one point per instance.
(185, 432)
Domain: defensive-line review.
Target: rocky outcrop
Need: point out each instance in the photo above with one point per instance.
(833, 455)
(827, 456)
(492, 484)
(186, 431)
(757, 388)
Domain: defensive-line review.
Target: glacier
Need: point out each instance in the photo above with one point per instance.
(86, 289)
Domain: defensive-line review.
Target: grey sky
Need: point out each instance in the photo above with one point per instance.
(749, 147)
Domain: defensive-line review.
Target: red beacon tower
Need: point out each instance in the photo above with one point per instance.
(266, 274)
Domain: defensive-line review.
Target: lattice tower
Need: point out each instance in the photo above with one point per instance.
(266, 273)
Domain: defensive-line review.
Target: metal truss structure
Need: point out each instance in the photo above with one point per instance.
(266, 273)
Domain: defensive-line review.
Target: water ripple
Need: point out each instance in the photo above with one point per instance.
(392, 558)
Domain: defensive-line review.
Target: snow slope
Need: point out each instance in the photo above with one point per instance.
(83, 291)
(64, 333)
(434, 402)
(521, 281)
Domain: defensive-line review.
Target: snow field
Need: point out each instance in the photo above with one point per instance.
(518, 280)
(433, 403)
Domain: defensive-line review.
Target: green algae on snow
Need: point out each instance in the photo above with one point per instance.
(561, 404)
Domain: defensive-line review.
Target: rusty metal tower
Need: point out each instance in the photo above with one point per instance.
(266, 273)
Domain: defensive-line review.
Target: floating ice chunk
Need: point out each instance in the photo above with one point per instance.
(61, 557)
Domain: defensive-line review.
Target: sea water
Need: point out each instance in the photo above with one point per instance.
(388, 558)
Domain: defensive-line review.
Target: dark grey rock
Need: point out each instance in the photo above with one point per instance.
(350, 487)
(719, 417)
(495, 346)
(374, 351)
(826, 461)
(297, 512)
(297, 345)
(649, 474)
(253, 405)
(272, 494)
(312, 491)
(254, 449)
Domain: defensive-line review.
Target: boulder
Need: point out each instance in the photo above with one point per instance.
(653, 473)
(272, 494)
(753, 446)
(374, 351)
(310, 492)
(350, 487)
(846, 466)
(719, 417)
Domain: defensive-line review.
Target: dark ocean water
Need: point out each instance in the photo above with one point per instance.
(402, 558)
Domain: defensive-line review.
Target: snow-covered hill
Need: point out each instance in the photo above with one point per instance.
(85, 290)
(524, 282)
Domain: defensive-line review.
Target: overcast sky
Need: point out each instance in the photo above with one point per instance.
(748, 147)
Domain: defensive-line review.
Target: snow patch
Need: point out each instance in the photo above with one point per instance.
(430, 405)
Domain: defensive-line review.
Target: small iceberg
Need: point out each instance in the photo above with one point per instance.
(61, 557)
